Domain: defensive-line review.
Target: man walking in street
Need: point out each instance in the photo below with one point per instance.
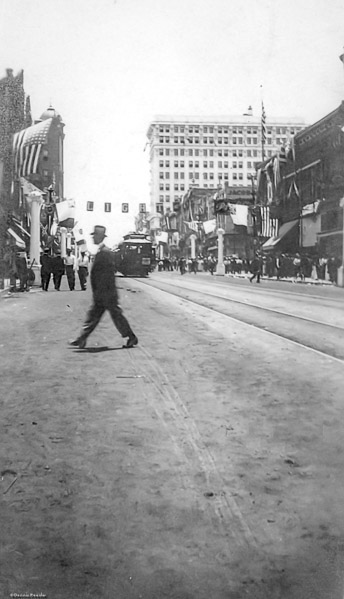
(256, 268)
(104, 294)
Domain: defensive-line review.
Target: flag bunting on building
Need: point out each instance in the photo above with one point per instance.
(239, 214)
(209, 226)
(269, 226)
(193, 225)
(27, 145)
(65, 212)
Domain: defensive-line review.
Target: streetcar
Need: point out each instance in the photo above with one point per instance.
(135, 255)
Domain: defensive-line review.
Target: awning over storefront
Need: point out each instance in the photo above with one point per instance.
(272, 243)
(19, 242)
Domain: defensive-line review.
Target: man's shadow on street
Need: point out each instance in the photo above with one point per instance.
(96, 350)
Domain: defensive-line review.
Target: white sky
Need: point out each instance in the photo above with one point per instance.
(110, 66)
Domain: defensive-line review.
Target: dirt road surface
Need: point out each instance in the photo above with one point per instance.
(207, 462)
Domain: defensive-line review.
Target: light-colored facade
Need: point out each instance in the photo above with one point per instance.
(209, 151)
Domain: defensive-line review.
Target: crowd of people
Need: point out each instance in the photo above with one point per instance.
(55, 266)
(52, 266)
(280, 266)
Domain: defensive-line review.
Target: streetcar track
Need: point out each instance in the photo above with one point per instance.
(249, 304)
(188, 441)
(249, 324)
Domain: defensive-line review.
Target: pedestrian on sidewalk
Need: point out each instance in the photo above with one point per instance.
(83, 270)
(105, 295)
(69, 262)
(58, 269)
(22, 271)
(46, 269)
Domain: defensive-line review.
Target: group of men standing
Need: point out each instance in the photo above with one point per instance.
(56, 266)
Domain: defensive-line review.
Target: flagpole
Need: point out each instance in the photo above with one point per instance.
(263, 124)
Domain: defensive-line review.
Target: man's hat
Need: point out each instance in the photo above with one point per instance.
(99, 229)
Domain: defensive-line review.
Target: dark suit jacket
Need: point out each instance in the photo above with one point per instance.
(103, 275)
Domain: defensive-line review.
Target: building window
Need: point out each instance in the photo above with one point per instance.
(219, 164)
(161, 163)
(196, 164)
(190, 164)
(205, 176)
(219, 153)
(190, 152)
(176, 152)
(182, 152)
(176, 175)
(182, 187)
(235, 176)
(167, 175)
(90, 206)
(196, 152)
(205, 164)
(161, 187)
(167, 163)
(182, 163)
(176, 188)
(167, 198)
(205, 152)
(241, 176)
(161, 198)
(182, 175)
(191, 176)
(196, 175)
(211, 164)
(211, 176)
(159, 208)
(161, 175)
(240, 165)
(176, 164)
(161, 152)
(167, 187)
(234, 164)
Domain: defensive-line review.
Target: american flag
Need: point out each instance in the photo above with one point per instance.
(269, 226)
(27, 145)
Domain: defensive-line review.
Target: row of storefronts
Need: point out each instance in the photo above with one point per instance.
(293, 205)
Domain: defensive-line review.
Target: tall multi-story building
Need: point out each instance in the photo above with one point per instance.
(210, 151)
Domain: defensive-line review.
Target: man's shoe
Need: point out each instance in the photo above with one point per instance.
(80, 343)
(133, 340)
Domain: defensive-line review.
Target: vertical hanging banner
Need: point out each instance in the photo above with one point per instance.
(125, 207)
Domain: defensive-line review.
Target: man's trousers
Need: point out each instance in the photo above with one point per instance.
(96, 312)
